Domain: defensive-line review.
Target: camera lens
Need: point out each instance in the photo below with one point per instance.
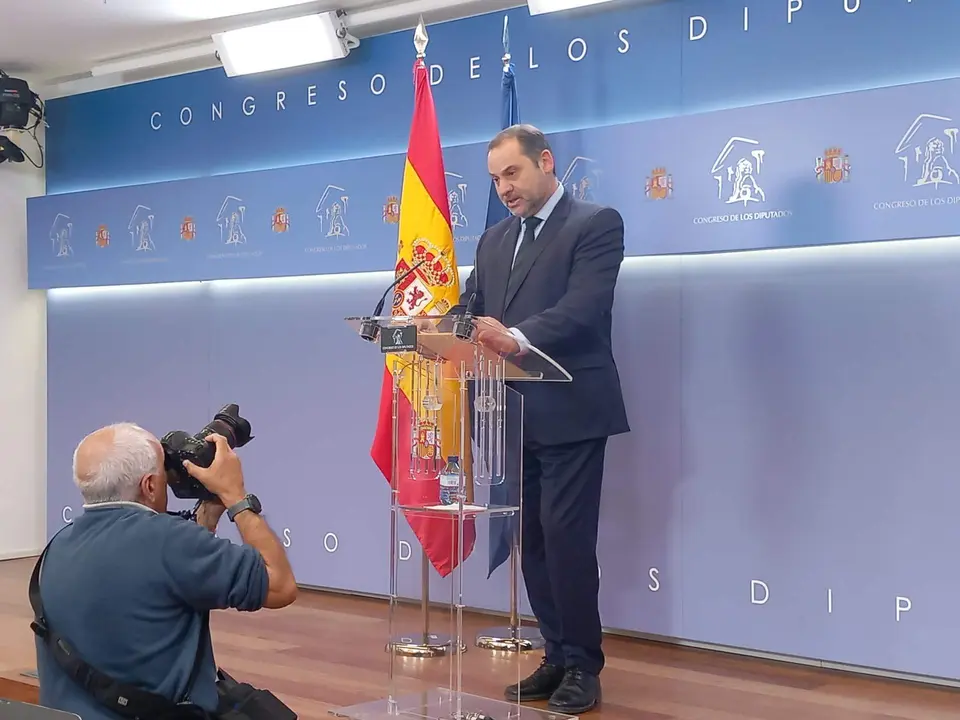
(228, 423)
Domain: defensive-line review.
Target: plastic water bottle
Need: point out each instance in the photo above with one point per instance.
(450, 481)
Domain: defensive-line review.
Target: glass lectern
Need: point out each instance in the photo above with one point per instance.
(455, 458)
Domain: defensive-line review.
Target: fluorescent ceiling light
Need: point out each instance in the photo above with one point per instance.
(541, 7)
(283, 44)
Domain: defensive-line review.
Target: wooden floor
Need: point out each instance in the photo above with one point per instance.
(327, 651)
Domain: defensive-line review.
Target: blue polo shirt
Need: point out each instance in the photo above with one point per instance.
(124, 585)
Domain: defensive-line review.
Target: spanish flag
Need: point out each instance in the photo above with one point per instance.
(425, 231)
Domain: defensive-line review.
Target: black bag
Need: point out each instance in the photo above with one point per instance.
(242, 701)
(236, 701)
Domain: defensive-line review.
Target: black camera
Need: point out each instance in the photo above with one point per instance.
(179, 446)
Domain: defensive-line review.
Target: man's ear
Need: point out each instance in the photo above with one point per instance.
(547, 162)
(148, 487)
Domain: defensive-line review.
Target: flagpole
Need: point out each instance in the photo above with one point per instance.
(425, 597)
(428, 644)
(514, 637)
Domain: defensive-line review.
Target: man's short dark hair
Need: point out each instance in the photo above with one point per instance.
(532, 140)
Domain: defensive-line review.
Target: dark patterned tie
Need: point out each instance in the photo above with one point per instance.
(529, 230)
(523, 255)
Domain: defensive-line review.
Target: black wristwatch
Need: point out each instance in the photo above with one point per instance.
(250, 502)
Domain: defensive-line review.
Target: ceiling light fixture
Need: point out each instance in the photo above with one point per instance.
(281, 44)
(541, 7)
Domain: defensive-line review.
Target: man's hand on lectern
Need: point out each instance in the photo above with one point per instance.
(492, 334)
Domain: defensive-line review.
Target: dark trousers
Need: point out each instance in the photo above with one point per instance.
(561, 510)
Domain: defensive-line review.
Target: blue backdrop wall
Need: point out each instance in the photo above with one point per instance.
(788, 484)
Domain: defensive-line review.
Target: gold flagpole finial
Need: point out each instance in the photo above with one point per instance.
(420, 38)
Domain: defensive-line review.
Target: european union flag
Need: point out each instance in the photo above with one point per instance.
(503, 529)
(509, 115)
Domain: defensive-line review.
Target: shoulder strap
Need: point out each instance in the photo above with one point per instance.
(125, 700)
(201, 641)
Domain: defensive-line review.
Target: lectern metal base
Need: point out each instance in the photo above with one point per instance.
(432, 645)
(511, 639)
(444, 704)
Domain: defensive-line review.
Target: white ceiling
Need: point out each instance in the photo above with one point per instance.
(51, 41)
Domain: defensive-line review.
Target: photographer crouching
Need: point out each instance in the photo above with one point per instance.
(122, 595)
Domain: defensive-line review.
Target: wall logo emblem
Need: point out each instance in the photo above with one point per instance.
(391, 210)
(833, 166)
(458, 200)
(103, 236)
(141, 229)
(332, 212)
(659, 184)
(582, 178)
(61, 235)
(230, 220)
(188, 229)
(737, 171)
(414, 294)
(927, 151)
(281, 220)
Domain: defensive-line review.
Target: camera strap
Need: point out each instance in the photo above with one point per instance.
(124, 700)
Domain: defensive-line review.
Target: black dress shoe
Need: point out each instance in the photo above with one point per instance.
(541, 685)
(578, 692)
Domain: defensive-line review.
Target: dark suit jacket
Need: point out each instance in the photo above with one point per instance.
(564, 308)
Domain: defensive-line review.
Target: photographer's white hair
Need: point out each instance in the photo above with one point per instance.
(125, 454)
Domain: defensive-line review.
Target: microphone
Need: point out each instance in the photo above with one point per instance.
(465, 325)
(369, 327)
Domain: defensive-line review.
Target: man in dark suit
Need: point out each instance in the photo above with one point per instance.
(546, 277)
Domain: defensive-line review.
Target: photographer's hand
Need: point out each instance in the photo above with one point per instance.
(224, 478)
(209, 514)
